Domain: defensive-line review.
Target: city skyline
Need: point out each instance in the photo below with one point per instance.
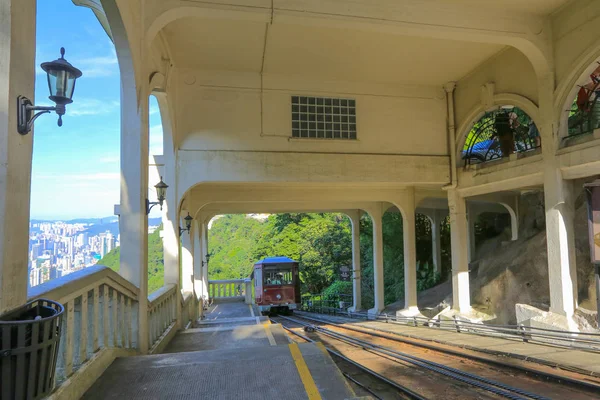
(76, 168)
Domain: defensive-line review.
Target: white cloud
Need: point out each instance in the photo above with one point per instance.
(156, 132)
(93, 177)
(109, 159)
(101, 66)
(93, 67)
(87, 106)
(154, 109)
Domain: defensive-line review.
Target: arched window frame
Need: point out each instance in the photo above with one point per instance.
(484, 142)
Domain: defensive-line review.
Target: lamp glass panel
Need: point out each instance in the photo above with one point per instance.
(160, 193)
(61, 83)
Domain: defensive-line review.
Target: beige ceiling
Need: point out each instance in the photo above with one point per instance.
(371, 56)
(216, 44)
(322, 52)
(538, 7)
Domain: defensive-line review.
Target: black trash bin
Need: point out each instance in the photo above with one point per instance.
(29, 339)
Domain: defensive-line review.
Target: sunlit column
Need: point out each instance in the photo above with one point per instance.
(17, 77)
(461, 298)
(471, 218)
(410, 251)
(559, 205)
(204, 241)
(436, 249)
(562, 273)
(376, 215)
(133, 221)
(188, 255)
(356, 272)
(199, 287)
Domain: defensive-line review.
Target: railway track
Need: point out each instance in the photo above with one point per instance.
(449, 382)
(368, 380)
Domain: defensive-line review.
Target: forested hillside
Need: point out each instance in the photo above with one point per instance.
(321, 243)
(156, 266)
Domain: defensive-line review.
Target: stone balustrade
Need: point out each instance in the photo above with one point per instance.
(99, 308)
(100, 323)
(162, 314)
(227, 289)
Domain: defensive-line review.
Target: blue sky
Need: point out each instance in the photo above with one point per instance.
(76, 167)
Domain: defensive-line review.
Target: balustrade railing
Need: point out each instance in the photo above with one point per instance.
(162, 313)
(227, 289)
(99, 314)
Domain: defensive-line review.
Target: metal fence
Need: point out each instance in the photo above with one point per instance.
(587, 341)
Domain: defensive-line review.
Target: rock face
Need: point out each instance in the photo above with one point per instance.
(507, 273)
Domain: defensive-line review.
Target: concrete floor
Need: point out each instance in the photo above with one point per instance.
(231, 355)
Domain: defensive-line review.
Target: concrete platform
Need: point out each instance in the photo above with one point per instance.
(272, 372)
(568, 359)
(228, 310)
(228, 336)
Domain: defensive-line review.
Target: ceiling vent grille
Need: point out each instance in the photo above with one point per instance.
(323, 118)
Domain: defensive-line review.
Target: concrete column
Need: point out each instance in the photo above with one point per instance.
(471, 218)
(204, 242)
(410, 252)
(559, 205)
(17, 77)
(376, 214)
(356, 273)
(562, 272)
(169, 216)
(461, 298)
(436, 250)
(133, 222)
(188, 248)
(199, 252)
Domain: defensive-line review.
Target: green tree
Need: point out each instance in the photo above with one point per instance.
(156, 266)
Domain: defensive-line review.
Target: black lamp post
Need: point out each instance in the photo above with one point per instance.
(593, 202)
(188, 224)
(61, 83)
(161, 191)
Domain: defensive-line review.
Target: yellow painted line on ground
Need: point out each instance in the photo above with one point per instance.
(305, 375)
(269, 334)
(251, 310)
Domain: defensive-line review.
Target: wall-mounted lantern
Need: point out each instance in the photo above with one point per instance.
(61, 82)
(207, 259)
(188, 225)
(592, 191)
(161, 191)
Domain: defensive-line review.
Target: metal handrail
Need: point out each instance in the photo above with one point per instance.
(578, 340)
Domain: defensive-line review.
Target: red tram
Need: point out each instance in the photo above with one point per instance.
(276, 285)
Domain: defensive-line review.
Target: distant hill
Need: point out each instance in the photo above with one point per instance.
(156, 265)
(99, 225)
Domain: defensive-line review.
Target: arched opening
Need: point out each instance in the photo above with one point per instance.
(75, 168)
(500, 133)
(584, 113)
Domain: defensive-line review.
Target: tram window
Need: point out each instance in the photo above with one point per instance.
(278, 276)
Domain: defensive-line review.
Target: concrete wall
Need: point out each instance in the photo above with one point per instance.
(510, 71)
(228, 111)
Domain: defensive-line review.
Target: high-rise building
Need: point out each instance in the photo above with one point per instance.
(110, 242)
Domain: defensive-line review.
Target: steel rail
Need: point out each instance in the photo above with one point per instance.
(411, 394)
(411, 341)
(465, 377)
(586, 341)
